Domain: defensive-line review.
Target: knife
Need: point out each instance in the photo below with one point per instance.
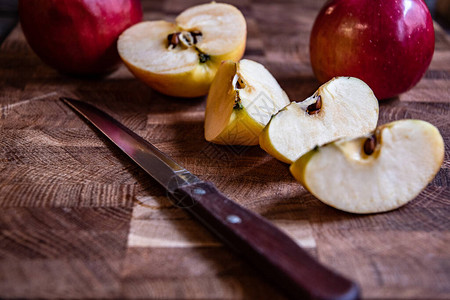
(269, 249)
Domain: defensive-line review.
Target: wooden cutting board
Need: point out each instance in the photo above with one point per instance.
(80, 220)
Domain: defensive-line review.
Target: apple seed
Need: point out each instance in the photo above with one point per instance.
(196, 36)
(186, 39)
(370, 144)
(315, 107)
(240, 84)
(173, 39)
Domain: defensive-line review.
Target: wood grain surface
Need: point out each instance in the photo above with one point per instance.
(80, 220)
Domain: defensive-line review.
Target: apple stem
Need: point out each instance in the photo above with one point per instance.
(203, 57)
(237, 101)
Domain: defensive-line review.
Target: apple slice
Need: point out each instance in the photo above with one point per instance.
(343, 106)
(241, 101)
(375, 173)
(181, 59)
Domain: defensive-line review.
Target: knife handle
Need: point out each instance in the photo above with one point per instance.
(263, 244)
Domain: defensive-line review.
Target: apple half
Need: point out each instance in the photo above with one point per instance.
(341, 107)
(375, 173)
(182, 59)
(242, 99)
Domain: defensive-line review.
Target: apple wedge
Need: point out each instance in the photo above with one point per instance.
(182, 59)
(375, 173)
(242, 98)
(341, 107)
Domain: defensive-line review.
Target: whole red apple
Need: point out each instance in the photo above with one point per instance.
(386, 43)
(78, 36)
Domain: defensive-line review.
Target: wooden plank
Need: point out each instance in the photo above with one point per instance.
(62, 252)
(60, 278)
(199, 273)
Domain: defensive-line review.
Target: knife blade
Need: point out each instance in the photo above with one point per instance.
(274, 253)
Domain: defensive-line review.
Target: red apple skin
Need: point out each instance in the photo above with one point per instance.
(78, 36)
(386, 43)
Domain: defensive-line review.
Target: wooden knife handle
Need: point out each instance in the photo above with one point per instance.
(283, 262)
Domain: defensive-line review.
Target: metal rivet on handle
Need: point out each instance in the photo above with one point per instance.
(234, 219)
(199, 191)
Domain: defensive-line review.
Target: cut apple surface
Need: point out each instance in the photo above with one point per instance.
(342, 107)
(182, 59)
(375, 173)
(241, 101)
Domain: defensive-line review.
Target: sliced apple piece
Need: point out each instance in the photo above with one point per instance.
(182, 59)
(344, 106)
(375, 173)
(242, 98)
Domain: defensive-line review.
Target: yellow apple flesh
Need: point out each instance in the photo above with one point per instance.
(406, 156)
(241, 101)
(348, 107)
(184, 66)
